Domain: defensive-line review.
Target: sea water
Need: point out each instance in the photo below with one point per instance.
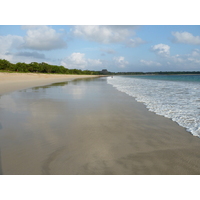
(174, 96)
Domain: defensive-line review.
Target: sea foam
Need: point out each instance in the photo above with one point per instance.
(177, 100)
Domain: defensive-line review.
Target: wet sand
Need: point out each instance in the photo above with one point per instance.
(88, 127)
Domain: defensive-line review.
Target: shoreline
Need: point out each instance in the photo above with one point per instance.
(91, 129)
(10, 82)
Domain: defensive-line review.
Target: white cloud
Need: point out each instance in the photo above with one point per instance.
(195, 53)
(104, 34)
(150, 63)
(22, 57)
(6, 57)
(178, 58)
(38, 38)
(78, 61)
(9, 42)
(193, 60)
(75, 60)
(92, 62)
(161, 49)
(43, 38)
(120, 61)
(186, 38)
(9, 50)
(135, 42)
(187, 59)
(185, 62)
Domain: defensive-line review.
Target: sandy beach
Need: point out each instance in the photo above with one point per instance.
(10, 82)
(87, 128)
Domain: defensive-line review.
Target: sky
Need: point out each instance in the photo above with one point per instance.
(117, 48)
(160, 41)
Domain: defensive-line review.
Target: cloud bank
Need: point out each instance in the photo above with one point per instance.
(191, 60)
(31, 54)
(78, 61)
(108, 34)
(37, 38)
(43, 38)
(186, 38)
(102, 34)
(10, 42)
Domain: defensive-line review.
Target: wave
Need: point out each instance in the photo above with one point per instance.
(179, 101)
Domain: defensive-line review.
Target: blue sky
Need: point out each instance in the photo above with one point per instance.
(96, 47)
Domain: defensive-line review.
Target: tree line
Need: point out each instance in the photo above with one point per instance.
(41, 68)
(47, 68)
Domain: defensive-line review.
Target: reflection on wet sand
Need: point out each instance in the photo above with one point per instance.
(88, 127)
(37, 122)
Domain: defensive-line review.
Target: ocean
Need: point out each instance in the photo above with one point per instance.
(174, 96)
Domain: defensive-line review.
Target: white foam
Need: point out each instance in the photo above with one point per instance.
(179, 101)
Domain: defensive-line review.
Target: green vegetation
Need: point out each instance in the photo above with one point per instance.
(34, 67)
(6, 66)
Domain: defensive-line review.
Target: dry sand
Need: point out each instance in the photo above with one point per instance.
(10, 82)
(95, 130)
